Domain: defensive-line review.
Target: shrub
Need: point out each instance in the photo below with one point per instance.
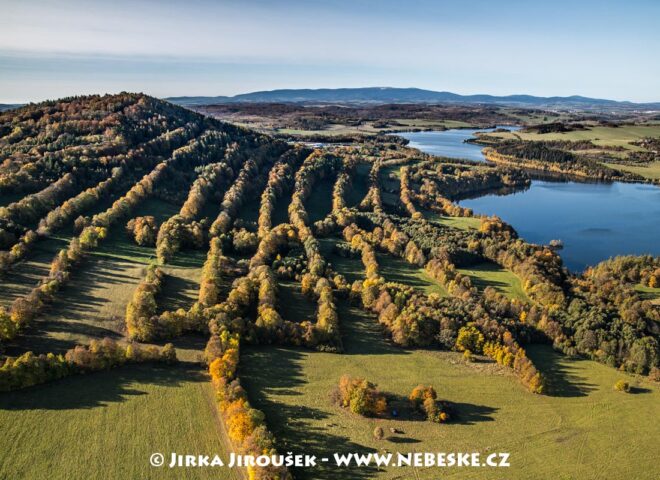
(30, 369)
(141, 320)
(424, 399)
(143, 230)
(360, 396)
(470, 338)
(622, 386)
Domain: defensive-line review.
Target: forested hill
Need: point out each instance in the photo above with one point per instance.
(85, 148)
(404, 95)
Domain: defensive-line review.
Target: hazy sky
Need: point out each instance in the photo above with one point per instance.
(607, 49)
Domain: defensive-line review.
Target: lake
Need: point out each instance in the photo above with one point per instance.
(595, 221)
(449, 143)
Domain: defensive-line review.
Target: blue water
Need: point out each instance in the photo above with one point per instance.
(595, 221)
(449, 143)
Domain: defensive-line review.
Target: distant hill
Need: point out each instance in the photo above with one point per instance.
(406, 95)
(10, 106)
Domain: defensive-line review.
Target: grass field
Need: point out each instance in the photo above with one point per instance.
(581, 429)
(492, 275)
(293, 305)
(93, 303)
(395, 269)
(390, 177)
(368, 127)
(464, 223)
(106, 425)
(351, 268)
(651, 170)
(603, 136)
(360, 184)
(319, 203)
(648, 293)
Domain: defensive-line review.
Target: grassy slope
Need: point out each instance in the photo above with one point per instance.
(360, 184)
(110, 406)
(395, 269)
(583, 429)
(648, 293)
(319, 203)
(650, 170)
(106, 425)
(492, 275)
(93, 303)
(604, 136)
(464, 223)
(350, 268)
(293, 305)
(181, 287)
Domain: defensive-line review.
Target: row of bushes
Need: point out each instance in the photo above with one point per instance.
(252, 176)
(373, 198)
(182, 229)
(32, 207)
(246, 426)
(315, 167)
(25, 308)
(280, 180)
(30, 369)
(74, 207)
(141, 320)
(406, 194)
(415, 319)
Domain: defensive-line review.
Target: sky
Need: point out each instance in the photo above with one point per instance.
(603, 49)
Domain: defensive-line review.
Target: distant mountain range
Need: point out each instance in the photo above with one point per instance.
(9, 106)
(380, 95)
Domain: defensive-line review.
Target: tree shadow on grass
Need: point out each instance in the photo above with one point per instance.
(189, 258)
(400, 271)
(281, 212)
(293, 305)
(319, 202)
(124, 249)
(402, 440)
(98, 389)
(482, 276)
(360, 185)
(273, 373)
(177, 292)
(350, 267)
(470, 414)
(362, 334)
(460, 413)
(560, 372)
(639, 390)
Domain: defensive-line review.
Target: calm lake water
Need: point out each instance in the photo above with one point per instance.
(595, 221)
(449, 143)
